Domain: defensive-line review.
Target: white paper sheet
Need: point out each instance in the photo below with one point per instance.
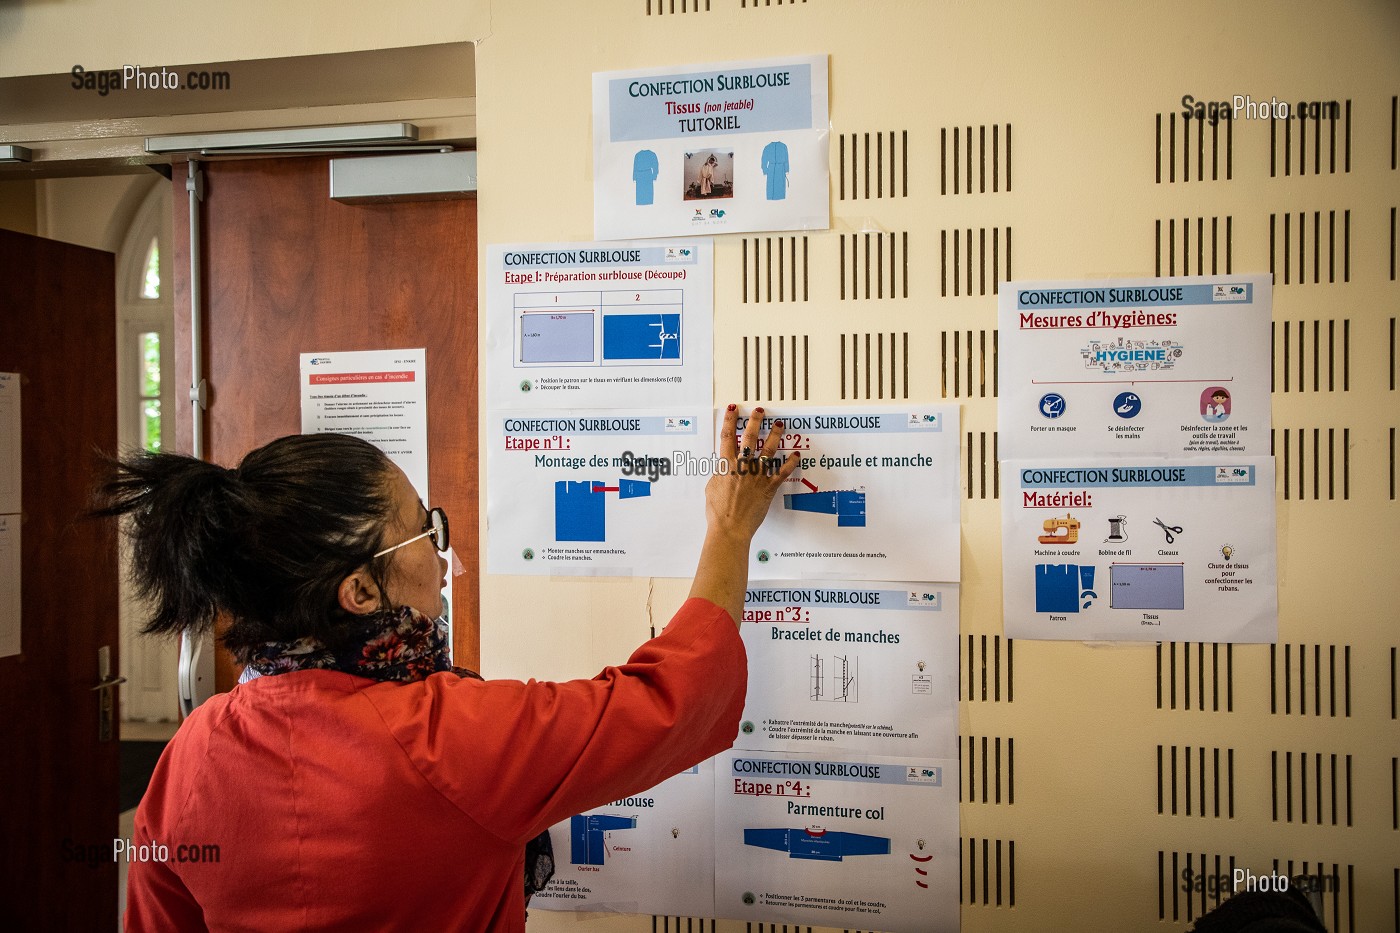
(10, 461)
(650, 853)
(1180, 550)
(600, 325)
(1135, 367)
(711, 148)
(10, 585)
(857, 844)
(379, 395)
(852, 668)
(616, 493)
(876, 497)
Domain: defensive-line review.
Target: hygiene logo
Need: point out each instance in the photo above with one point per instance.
(680, 425)
(679, 253)
(924, 599)
(1230, 293)
(1122, 355)
(920, 775)
(923, 421)
(1232, 474)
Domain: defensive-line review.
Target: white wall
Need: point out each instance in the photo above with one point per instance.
(44, 37)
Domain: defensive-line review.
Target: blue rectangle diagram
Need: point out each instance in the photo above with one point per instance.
(1057, 588)
(641, 337)
(1147, 586)
(566, 337)
(848, 505)
(579, 512)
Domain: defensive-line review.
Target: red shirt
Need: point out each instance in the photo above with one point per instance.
(341, 803)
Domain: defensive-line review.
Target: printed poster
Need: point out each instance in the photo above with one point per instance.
(1130, 550)
(616, 493)
(876, 497)
(379, 395)
(600, 325)
(852, 668)
(714, 148)
(1135, 368)
(10, 462)
(861, 843)
(10, 585)
(650, 853)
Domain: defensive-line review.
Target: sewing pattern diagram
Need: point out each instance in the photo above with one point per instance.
(848, 505)
(817, 844)
(580, 507)
(834, 679)
(588, 836)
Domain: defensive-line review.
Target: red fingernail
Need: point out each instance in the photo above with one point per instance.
(759, 410)
(732, 407)
(778, 423)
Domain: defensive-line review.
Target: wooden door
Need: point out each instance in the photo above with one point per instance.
(58, 782)
(288, 271)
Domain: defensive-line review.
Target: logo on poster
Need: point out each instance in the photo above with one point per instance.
(923, 421)
(1236, 474)
(1229, 293)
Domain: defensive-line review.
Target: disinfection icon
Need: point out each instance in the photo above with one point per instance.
(1127, 405)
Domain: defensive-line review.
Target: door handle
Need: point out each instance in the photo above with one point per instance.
(106, 706)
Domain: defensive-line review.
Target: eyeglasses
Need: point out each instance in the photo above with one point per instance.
(435, 527)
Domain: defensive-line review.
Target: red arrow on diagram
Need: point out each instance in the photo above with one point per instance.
(808, 484)
(607, 489)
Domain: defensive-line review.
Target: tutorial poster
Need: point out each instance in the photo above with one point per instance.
(1123, 550)
(1175, 367)
(855, 843)
(849, 667)
(876, 497)
(723, 147)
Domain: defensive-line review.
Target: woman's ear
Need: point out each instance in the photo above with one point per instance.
(358, 594)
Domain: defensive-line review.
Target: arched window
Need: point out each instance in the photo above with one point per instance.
(145, 419)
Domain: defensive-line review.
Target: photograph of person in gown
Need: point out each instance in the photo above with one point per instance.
(708, 174)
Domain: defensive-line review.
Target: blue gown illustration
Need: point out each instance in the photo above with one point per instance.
(775, 166)
(644, 172)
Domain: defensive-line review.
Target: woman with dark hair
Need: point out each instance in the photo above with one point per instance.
(361, 782)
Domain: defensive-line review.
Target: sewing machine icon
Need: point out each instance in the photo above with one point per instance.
(1061, 531)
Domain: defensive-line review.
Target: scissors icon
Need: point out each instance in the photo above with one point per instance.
(1171, 531)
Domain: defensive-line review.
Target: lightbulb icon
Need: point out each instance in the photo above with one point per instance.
(1228, 551)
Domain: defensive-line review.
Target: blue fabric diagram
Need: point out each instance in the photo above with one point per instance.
(580, 508)
(825, 847)
(586, 836)
(847, 505)
(644, 171)
(641, 336)
(1056, 588)
(775, 166)
(579, 514)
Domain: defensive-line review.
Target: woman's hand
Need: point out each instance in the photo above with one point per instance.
(736, 502)
(737, 499)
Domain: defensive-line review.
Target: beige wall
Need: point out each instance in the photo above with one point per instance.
(1081, 84)
(42, 37)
